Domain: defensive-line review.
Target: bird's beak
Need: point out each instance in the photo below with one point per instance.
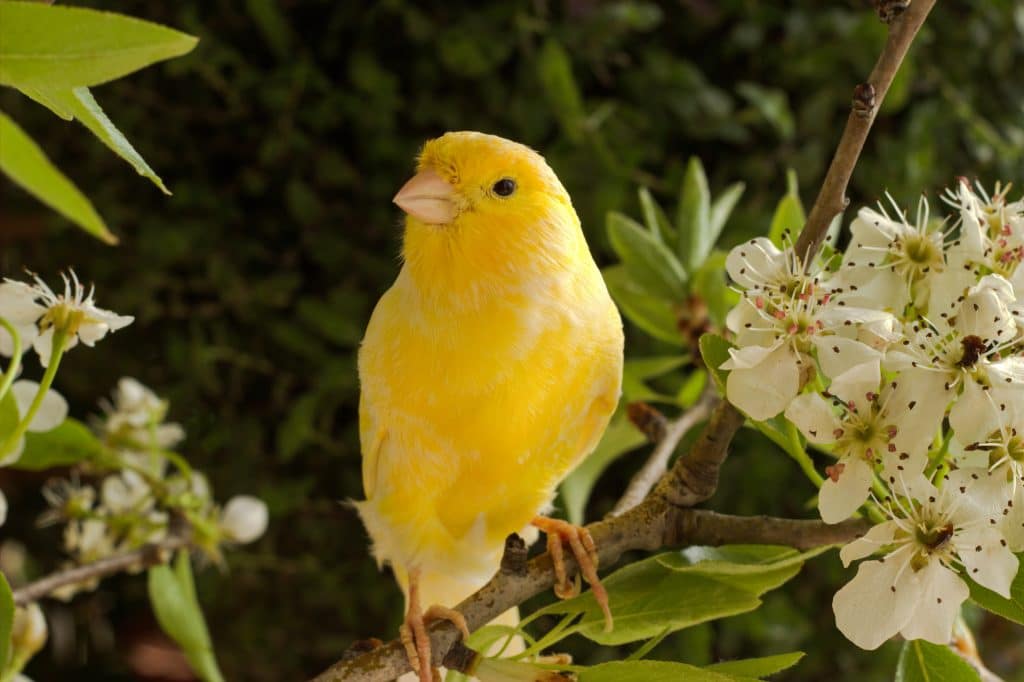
(428, 198)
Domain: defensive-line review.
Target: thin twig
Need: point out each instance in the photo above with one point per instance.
(650, 526)
(868, 98)
(144, 557)
(657, 463)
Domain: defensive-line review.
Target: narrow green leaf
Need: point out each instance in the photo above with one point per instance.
(53, 46)
(789, 217)
(24, 162)
(692, 388)
(635, 371)
(654, 671)
(655, 218)
(715, 350)
(669, 591)
(922, 661)
(6, 619)
(619, 438)
(758, 667)
(69, 443)
(79, 103)
(693, 221)
(653, 315)
(172, 593)
(722, 208)
(561, 89)
(1012, 608)
(710, 284)
(649, 262)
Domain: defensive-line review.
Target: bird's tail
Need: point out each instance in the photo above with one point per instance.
(447, 590)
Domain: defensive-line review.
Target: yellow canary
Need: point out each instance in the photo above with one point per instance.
(489, 369)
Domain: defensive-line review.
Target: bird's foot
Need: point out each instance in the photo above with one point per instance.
(582, 546)
(415, 637)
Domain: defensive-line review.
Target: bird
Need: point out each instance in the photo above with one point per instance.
(488, 371)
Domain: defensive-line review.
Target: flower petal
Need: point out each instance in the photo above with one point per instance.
(814, 416)
(840, 498)
(765, 390)
(986, 558)
(879, 536)
(837, 355)
(879, 601)
(52, 411)
(942, 593)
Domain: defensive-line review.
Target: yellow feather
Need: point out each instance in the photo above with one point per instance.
(488, 370)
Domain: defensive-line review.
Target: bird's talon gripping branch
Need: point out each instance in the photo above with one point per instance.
(582, 545)
(413, 632)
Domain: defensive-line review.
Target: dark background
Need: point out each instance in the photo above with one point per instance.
(283, 137)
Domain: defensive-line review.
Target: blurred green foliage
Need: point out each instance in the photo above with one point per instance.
(283, 136)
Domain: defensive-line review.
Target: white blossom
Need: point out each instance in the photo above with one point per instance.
(37, 312)
(3, 508)
(137, 416)
(28, 632)
(244, 519)
(916, 588)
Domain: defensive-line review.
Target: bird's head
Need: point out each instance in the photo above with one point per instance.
(481, 206)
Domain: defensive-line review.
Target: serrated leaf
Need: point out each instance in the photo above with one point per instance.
(693, 220)
(65, 47)
(648, 262)
(653, 315)
(922, 661)
(715, 350)
(789, 216)
(6, 618)
(69, 443)
(172, 593)
(555, 70)
(1012, 608)
(668, 591)
(24, 162)
(619, 438)
(655, 218)
(758, 667)
(79, 103)
(654, 671)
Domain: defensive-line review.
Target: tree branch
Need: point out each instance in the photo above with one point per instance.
(868, 98)
(657, 463)
(144, 557)
(652, 525)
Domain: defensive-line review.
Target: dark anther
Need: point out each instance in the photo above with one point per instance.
(888, 10)
(513, 559)
(864, 100)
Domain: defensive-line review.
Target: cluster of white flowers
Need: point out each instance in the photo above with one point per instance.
(903, 358)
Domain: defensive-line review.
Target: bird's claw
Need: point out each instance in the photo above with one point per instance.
(585, 552)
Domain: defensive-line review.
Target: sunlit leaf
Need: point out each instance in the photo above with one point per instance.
(653, 315)
(758, 667)
(715, 350)
(789, 216)
(69, 443)
(53, 46)
(79, 103)
(722, 208)
(693, 221)
(654, 671)
(24, 162)
(6, 618)
(655, 218)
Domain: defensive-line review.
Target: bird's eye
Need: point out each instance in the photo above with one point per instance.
(504, 187)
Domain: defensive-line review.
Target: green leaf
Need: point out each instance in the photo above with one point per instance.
(655, 218)
(671, 591)
(722, 208)
(693, 221)
(79, 103)
(68, 443)
(758, 667)
(715, 350)
(298, 427)
(649, 262)
(922, 661)
(692, 388)
(654, 671)
(789, 217)
(24, 162)
(635, 371)
(710, 284)
(561, 89)
(9, 416)
(619, 438)
(6, 619)
(65, 47)
(1012, 608)
(653, 315)
(173, 595)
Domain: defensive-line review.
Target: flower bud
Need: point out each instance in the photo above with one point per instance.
(244, 519)
(29, 632)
